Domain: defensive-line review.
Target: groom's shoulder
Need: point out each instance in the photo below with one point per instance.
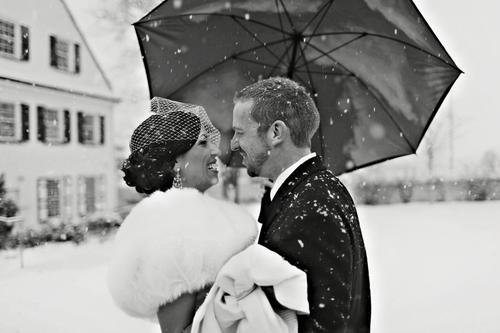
(322, 185)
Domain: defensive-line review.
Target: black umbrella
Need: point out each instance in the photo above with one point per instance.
(375, 68)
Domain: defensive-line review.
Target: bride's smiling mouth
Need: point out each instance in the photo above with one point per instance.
(213, 166)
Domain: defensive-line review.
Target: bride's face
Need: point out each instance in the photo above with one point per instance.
(198, 166)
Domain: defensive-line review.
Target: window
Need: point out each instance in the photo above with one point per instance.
(54, 199)
(91, 128)
(7, 38)
(91, 194)
(7, 121)
(14, 121)
(53, 125)
(88, 128)
(14, 40)
(64, 55)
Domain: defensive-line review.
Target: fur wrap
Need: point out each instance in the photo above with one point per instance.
(171, 243)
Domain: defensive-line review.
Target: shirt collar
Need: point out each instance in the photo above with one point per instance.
(287, 172)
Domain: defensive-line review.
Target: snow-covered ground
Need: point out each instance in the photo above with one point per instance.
(434, 268)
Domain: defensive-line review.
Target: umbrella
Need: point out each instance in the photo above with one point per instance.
(376, 70)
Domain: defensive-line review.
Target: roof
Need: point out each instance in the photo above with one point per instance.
(84, 40)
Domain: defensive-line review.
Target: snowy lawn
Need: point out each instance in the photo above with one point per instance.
(434, 268)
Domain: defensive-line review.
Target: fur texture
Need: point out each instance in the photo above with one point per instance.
(171, 243)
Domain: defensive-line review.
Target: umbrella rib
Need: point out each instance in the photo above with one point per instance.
(433, 34)
(253, 61)
(325, 11)
(279, 17)
(281, 59)
(332, 50)
(223, 61)
(313, 90)
(323, 73)
(258, 39)
(326, 3)
(392, 39)
(373, 95)
(141, 23)
(287, 15)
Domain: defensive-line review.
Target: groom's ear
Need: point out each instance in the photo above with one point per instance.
(278, 132)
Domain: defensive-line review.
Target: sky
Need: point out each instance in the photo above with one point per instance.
(467, 125)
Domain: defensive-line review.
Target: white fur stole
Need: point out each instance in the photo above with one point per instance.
(171, 243)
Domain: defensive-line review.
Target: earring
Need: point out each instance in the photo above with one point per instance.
(177, 179)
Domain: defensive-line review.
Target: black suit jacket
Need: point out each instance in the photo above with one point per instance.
(313, 224)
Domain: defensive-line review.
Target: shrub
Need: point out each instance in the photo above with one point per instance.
(405, 190)
(368, 193)
(102, 224)
(477, 190)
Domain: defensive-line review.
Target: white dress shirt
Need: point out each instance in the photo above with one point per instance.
(287, 172)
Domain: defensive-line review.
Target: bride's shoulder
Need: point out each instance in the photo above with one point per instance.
(189, 205)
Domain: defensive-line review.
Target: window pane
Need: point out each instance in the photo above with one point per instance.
(6, 37)
(90, 194)
(53, 199)
(88, 129)
(62, 54)
(7, 120)
(51, 121)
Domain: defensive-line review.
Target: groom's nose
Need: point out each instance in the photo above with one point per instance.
(234, 144)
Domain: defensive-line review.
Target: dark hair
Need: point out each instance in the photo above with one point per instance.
(151, 167)
(282, 99)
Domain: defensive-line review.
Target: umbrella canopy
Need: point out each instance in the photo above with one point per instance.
(376, 70)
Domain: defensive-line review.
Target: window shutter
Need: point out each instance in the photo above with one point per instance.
(67, 126)
(43, 213)
(80, 127)
(25, 43)
(77, 58)
(41, 123)
(53, 57)
(67, 196)
(102, 124)
(82, 209)
(25, 122)
(101, 193)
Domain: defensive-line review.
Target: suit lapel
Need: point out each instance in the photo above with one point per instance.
(269, 213)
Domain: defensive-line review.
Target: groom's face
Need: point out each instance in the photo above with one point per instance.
(251, 145)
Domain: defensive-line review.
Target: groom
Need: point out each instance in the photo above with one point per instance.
(308, 216)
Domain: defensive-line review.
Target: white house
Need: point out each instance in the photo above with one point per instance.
(56, 115)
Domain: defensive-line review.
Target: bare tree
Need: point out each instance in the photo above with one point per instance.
(489, 164)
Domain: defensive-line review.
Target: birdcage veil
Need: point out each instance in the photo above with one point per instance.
(173, 121)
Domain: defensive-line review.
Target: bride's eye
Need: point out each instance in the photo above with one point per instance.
(203, 140)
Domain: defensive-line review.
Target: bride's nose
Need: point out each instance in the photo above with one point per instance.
(214, 150)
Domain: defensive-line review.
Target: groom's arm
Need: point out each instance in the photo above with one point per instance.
(313, 236)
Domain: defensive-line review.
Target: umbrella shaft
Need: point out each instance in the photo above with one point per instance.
(291, 66)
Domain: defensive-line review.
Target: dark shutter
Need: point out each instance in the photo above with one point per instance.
(25, 122)
(41, 123)
(103, 129)
(53, 57)
(25, 43)
(77, 58)
(67, 126)
(80, 127)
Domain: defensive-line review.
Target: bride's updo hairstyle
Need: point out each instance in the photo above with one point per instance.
(156, 143)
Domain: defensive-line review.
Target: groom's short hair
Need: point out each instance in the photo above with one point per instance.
(279, 98)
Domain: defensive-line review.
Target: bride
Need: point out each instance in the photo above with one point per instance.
(178, 242)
